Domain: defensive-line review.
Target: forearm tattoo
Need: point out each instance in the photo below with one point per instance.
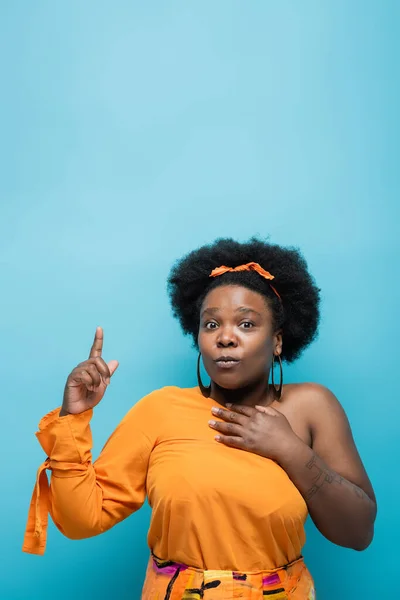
(326, 476)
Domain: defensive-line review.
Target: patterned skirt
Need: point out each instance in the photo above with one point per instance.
(167, 580)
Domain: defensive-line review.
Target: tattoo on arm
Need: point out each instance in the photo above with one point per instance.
(322, 476)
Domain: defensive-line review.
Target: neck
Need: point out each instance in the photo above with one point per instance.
(258, 393)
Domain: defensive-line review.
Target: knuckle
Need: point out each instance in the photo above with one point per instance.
(249, 441)
(82, 364)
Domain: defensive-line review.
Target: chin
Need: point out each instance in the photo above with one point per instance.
(230, 385)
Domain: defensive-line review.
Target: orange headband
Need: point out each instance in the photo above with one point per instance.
(252, 266)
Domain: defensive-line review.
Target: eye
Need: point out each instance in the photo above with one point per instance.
(246, 325)
(210, 325)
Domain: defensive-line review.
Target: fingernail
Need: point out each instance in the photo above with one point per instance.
(217, 438)
(211, 423)
(214, 411)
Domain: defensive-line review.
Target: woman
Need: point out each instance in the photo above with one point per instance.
(230, 469)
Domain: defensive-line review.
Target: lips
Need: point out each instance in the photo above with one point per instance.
(226, 359)
(227, 362)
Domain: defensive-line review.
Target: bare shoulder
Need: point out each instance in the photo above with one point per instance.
(314, 402)
(313, 395)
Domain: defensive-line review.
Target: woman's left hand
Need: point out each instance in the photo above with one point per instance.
(261, 430)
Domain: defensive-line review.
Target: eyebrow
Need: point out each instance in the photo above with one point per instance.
(242, 309)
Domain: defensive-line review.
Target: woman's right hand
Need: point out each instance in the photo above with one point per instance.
(87, 383)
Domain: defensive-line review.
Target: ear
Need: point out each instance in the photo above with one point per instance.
(278, 342)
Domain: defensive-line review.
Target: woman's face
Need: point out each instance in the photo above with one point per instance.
(236, 323)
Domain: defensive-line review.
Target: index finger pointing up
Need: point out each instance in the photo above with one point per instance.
(97, 346)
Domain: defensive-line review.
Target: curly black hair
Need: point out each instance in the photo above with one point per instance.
(298, 311)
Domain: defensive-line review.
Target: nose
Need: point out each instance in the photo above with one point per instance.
(226, 338)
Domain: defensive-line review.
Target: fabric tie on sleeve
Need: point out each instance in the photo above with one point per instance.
(36, 528)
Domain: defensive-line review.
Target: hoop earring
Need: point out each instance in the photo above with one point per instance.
(277, 391)
(205, 390)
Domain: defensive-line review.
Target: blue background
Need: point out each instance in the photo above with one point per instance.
(134, 132)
